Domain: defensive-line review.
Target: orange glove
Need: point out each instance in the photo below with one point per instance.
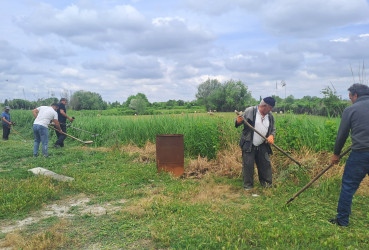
(239, 119)
(270, 139)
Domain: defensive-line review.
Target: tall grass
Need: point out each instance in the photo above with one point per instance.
(313, 132)
(203, 134)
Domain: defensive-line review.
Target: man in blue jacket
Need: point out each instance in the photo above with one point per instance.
(355, 119)
(6, 122)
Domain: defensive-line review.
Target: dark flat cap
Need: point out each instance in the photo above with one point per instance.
(269, 100)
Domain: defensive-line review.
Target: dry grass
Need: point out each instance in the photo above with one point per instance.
(145, 154)
(52, 238)
(229, 162)
(99, 149)
(364, 187)
(210, 192)
(142, 206)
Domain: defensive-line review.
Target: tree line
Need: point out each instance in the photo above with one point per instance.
(212, 95)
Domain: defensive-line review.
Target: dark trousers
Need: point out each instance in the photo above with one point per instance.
(357, 167)
(6, 132)
(260, 156)
(61, 137)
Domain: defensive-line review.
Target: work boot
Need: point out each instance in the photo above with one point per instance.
(335, 221)
(57, 146)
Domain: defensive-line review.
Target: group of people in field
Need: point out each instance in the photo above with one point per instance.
(55, 113)
(255, 149)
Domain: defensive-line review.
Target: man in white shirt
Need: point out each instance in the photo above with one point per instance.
(254, 148)
(43, 115)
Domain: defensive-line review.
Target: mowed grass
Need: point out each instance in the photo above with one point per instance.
(166, 212)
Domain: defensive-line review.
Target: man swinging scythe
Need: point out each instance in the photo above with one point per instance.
(254, 147)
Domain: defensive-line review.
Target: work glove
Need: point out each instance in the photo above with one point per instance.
(239, 119)
(270, 139)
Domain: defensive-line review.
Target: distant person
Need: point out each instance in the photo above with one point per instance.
(6, 122)
(254, 148)
(62, 118)
(355, 119)
(44, 115)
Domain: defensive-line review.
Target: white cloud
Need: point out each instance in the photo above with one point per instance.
(71, 72)
(165, 49)
(340, 40)
(311, 17)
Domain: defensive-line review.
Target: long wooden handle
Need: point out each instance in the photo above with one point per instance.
(281, 150)
(75, 138)
(316, 177)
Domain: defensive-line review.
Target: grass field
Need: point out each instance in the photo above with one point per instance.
(118, 200)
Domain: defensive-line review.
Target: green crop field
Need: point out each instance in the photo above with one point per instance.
(118, 200)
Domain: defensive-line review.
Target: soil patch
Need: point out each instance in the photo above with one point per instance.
(65, 208)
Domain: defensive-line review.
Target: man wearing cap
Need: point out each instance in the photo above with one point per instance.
(6, 122)
(44, 115)
(62, 118)
(254, 148)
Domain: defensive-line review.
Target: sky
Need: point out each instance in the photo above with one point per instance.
(165, 48)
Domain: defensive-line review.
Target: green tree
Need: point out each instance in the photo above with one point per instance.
(47, 101)
(236, 96)
(138, 104)
(87, 100)
(138, 96)
(20, 104)
(332, 103)
(115, 104)
(228, 96)
(206, 89)
(180, 103)
(171, 103)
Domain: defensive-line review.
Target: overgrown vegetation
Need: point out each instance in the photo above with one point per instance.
(204, 134)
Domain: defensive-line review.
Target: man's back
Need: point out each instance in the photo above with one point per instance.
(45, 115)
(359, 112)
(356, 119)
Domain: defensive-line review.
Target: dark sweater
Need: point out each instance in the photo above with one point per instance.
(356, 119)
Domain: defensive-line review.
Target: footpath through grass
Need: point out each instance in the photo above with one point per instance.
(162, 212)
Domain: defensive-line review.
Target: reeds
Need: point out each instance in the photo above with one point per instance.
(204, 135)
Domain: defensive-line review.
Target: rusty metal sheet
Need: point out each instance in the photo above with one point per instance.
(170, 153)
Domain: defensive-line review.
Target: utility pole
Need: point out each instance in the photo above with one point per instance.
(283, 83)
(276, 88)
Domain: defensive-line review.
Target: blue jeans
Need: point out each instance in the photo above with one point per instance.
(41, 134)
(357, 166)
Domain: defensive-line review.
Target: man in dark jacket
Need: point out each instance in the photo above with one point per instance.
(355, 119)
(254, 148)
(62, 118)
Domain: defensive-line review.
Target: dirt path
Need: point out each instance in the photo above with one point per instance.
(65, 208)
